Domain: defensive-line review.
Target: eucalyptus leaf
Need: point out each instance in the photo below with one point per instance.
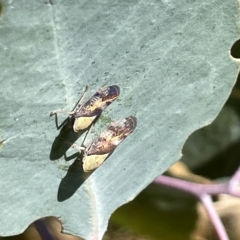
(171, 61)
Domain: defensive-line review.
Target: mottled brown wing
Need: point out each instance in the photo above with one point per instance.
(98, 102)
(109, 139)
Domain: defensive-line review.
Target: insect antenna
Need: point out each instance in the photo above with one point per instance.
(78, 105)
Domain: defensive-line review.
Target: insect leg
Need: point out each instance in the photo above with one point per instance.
(79, 148)
(82, 147)
(75, 146)
(87, 135)
(61, 112)
(72, 112)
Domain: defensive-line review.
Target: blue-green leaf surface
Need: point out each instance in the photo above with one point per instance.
(171, 61)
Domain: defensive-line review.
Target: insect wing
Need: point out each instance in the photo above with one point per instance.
(98, 102)
(84, 115)
(100, 148)
(109, 139)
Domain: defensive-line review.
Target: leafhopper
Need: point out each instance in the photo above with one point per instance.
(102, 146)
(84, 114)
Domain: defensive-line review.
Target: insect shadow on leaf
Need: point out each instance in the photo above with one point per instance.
(70, 183)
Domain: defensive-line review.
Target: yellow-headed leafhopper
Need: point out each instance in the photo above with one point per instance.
(85, 114)
(102, 146)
